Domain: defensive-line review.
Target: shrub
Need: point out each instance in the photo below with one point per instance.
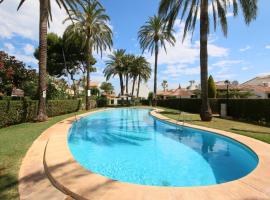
(250, 109)
(14, 112)
(256, 110)
(212, 91)
(145, 102)
(102, 101)
(60, 107)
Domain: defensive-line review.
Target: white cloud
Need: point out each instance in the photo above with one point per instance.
(245, 48)
(186, 52)
(20, 54)
(25, 22)
(263, 74)
(225, 76)
(245, 68)
(9, 47)
(25, 58)
(29, 49)
(267, 46)
(227, 63)
(177, 70)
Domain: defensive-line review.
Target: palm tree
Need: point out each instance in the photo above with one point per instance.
(164, 84)
(169, 10)
(128, 62)
(152, 36)
(45, 13)
(115, 66)
(144, 71)
(134, 72)
(91, 26)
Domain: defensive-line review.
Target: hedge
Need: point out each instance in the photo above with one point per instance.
(188, 105)
(15, 112)
(257, 110)
(250, 109)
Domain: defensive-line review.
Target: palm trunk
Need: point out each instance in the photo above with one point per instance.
(133, 85)
(127, 86)
(43, 24)
(206, 113)
(121, 84)
(74, 86)
(155, 74)
(88, 91)
(139, 83)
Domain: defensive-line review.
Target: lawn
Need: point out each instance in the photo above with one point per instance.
(14, 143)
(258, 132)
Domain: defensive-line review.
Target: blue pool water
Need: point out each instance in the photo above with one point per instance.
(131, 146)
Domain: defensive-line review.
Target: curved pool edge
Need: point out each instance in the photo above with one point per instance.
(80, 183)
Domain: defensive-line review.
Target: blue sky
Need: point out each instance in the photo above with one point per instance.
(244, 54)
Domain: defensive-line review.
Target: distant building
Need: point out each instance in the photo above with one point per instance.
(178, 93)
(258, 87)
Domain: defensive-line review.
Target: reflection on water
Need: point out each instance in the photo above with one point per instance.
(130, 138)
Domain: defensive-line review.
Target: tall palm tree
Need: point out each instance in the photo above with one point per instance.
(128, 61)
(144, 71)
(134, 72)
(169, 10)
(115, 66)
(164, 84)
(91, 26)
(152, 36)
(45, 14)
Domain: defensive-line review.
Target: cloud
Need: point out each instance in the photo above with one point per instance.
(245, 48)
(264, 74)
(177, 70)
(185, 52)
(227, 63)
(225, 76)
(225, 68)
(20, 53)
(29, 49)
(25, 22)
(245, 68)
(9, 47)
(267, 46)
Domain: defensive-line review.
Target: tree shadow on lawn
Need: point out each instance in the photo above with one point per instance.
(7, 182)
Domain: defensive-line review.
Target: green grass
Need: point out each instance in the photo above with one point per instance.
(14, 143)
(255, 131)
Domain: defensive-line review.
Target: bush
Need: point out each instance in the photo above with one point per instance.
(61, 107)
(257, 110)
(102, 101)
(15, 112)
(250, 109)
(212, 91)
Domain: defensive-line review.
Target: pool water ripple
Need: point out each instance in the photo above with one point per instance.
(131, 146)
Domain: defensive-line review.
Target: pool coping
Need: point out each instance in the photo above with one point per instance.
(73, 180)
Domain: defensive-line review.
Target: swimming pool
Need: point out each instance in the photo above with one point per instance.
(131, 146)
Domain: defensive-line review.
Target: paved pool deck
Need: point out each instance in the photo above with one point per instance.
(49, 165)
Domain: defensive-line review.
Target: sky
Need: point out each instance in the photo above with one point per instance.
(243, 55)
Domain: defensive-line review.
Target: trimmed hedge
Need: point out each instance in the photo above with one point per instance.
(15, 112)
(257, 110)
(250, 109)
(102, 102)
(188, 105)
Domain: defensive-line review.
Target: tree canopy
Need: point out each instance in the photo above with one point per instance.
(15, 74)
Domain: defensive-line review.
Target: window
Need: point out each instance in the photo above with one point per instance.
(268, 96)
